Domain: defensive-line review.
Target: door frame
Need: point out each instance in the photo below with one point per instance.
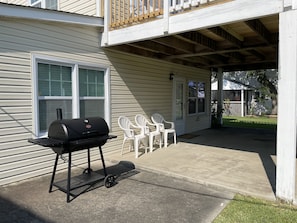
(180, 125)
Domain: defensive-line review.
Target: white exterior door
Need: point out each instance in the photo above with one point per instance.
(179, 105)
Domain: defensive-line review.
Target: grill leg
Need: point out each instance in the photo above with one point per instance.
(103, 162)
(69, 178)
(54, 173)
(89, 162)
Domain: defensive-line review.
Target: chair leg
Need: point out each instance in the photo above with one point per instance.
(151, 141)
(160, 141)
(174, 138)
(136, 147)
(165, 139)
(123, 147)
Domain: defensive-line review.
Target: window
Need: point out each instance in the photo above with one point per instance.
(79, 90)
(91, 92)
(46, 4)
(196, 97)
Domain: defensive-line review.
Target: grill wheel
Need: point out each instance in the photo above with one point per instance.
(109, 181)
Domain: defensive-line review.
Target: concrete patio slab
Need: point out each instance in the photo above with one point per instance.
(240, 160)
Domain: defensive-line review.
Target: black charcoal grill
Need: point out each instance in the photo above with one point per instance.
(70, 135)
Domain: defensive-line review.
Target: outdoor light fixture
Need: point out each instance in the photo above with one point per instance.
(171, 75)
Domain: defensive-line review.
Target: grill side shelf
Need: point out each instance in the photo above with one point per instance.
(47, 142)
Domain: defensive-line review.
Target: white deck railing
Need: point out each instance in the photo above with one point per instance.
(121, 13)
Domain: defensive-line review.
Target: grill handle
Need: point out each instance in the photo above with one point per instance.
(90, 132)
(59, 114)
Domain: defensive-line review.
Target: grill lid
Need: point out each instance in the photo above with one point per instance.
(74, 129)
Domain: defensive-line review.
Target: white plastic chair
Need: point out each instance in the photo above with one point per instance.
(130, 135)
(159, 119)
(147, 127)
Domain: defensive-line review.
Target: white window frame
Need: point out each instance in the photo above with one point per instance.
(75, 87)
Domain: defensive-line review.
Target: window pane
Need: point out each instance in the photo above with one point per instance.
(201, 90)
(201, 97)
(192, 106)
(47, 112)
(43, 80)
(54, 80)
(55, 73)
(91, 108)
(51, 4)
(43, 86)
(192, 89)
(91, 83)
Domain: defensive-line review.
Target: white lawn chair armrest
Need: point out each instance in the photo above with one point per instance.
(171, 123)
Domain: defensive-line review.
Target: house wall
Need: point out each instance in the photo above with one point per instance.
(76, 6)
(88, 7)
(16, 2)
(19, 40)
(137, 86)
(144, 87)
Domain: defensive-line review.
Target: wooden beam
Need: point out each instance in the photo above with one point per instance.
(225, 35)
(257, 54)
(176, 43)
(218, 52)
(260, 29)
(154, 47)
(235, 55)
(137, 51)
(198, 38)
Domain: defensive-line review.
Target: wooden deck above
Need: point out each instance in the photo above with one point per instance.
(232, 34)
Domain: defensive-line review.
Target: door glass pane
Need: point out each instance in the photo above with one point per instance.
(192, 106)
(179, 101)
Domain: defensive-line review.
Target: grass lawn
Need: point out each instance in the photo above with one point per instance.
(250, 122)
(243, 209)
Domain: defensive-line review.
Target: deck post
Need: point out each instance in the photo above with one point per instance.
(287, 107)
(106, 22)
(220, 96)
(166, 17)
(242, 101)
(294, 4)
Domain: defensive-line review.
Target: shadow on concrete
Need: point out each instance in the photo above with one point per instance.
(120, 171)
(11, 212)
(260, 141)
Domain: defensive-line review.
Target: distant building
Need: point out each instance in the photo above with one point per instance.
(240, 100)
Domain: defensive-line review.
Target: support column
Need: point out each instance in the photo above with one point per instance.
(287, 107)
(105, 40)
(242, 102)
(220, 96)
